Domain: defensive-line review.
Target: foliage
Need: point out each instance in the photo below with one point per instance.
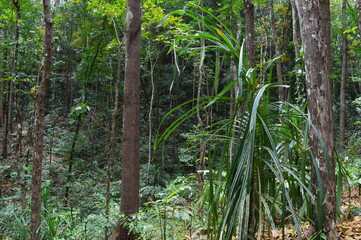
(257, 174)
(264, 167)
(169, 215)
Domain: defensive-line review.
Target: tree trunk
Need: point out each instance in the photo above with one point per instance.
(14, 64)
(299, 84)
(250, 49)
(150, 115)
(112, 138)
(39, 125)
(199, 117)
(315, 27)
(359, 27)
(296, 43)
(19, 157)
(3, 74)
(359, 14)
(2, 85)
(131, 116)
(281, 90)
(249, 12)
(69, 178)
(343, 77)
(5, 125)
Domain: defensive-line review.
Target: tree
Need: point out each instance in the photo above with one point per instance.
(131, 118)
(7, 98)
(281, 91)
(39, 124)
(315, 33)
(359, 24)
(249, 12)
(112, 131)
(359, 14)
(295, 29)
(343, 76)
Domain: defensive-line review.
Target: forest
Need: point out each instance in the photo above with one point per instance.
(180, 120)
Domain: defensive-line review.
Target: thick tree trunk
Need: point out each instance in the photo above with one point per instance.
(281, 90)
(343, 77)
(249, 12)
(131, 115)
(39, 125)
(316, 38)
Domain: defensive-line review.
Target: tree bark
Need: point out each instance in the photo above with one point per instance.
(281, 90)
(343, 77)
(39, 125)
(249, 12)
(131, 116)
(315, 27)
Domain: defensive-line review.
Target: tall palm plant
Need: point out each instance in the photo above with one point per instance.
(265, 174)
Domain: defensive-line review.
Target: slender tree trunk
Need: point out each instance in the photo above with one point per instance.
(250, 47)
(5, 126)
(359, 28)
(69, 178)
(281, 90)
(2, 90)
(16, 4)
(295, 29)
(131, 118)
(359, 14)
(295, 37)
(19, 157)
(343, 77)
(111, 152)
(316, 38)
(39, 125)
(199, 118)
(3, 74)
(112, 138)
(150, 115)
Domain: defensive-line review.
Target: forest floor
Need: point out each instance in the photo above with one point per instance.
(349, 226)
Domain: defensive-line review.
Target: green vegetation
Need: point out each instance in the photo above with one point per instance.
(222, 156)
